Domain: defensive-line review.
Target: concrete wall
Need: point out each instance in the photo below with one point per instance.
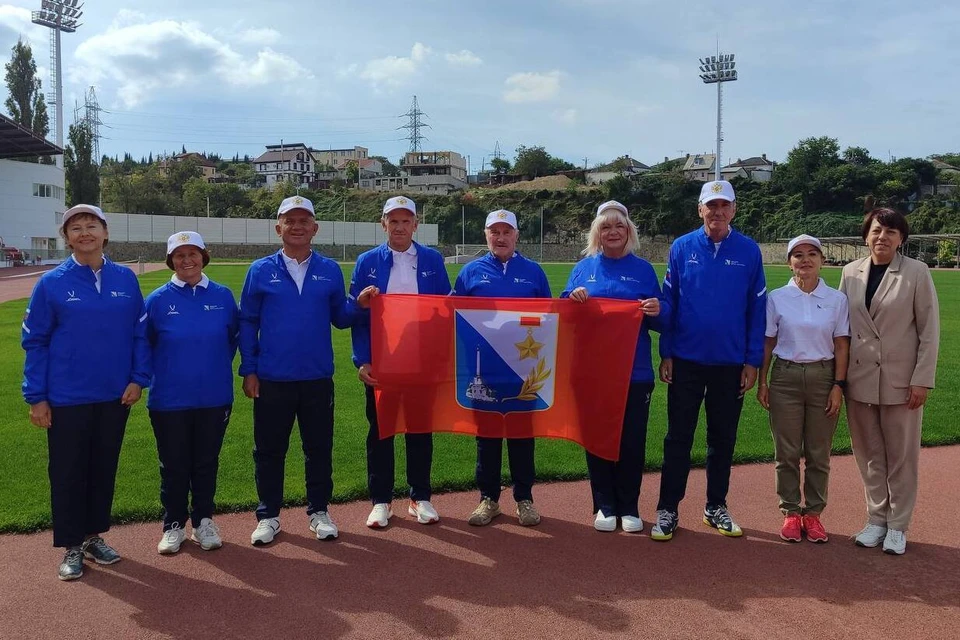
(126, 227)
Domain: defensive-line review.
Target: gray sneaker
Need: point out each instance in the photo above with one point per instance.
(72, 566)
(486, 511)
(99, 551)
(528, 514)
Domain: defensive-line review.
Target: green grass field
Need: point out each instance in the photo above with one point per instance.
(24, 492)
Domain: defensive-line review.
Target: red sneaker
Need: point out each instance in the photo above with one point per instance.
(790, 531)
(814, 528)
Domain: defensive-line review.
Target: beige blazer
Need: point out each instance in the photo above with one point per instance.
(894, 345)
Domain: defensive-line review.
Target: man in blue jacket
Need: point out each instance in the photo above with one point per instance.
(503, 273)
(288, 303)
(399, 265)
(711, 351)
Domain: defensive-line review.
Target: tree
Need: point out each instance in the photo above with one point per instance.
(81, 174)
(858, 156)
(531, 161)
(351, 170)
(389, 169)
(500, 165)
(25, 103)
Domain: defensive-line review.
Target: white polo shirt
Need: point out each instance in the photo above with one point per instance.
(297, 270)
(805, 324)
(403, 273)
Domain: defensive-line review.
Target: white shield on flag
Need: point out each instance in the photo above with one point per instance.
(506, 360)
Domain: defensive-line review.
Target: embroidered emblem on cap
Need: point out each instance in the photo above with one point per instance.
(184, 237)
(502, 215)
(717, 187)
(298, 200)
(401, 200)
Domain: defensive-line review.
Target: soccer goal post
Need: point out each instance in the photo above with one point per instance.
(466, 253)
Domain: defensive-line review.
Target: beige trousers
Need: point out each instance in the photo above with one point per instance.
(800, 427)
(886, 444)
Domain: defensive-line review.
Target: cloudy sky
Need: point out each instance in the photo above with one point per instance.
(590, 79)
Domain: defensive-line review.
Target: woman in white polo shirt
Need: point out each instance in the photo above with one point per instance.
(808, 330)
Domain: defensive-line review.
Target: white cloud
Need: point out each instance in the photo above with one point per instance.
(394, 71)
(145, 58)
(464, 58)
(532, 87)
(565, 116)
(15, 23)
(260, 37)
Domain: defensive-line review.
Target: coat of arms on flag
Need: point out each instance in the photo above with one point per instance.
(506, 360)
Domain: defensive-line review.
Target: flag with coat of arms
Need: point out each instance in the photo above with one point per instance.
(504, 367)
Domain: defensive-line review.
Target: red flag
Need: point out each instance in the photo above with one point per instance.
(504, 367)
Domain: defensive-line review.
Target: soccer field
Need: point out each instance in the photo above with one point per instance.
(24, 492)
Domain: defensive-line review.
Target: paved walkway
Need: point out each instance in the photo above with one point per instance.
(561, 579)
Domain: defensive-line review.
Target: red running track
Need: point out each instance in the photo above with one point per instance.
(560, 579)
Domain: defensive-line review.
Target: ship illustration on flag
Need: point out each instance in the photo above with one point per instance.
(505, 360)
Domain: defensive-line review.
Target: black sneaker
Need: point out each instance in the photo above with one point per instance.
(72, 566)
(719, 518)
(665, 525)
(99, 551)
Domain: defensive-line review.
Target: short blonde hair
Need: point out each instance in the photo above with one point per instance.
(593, 237)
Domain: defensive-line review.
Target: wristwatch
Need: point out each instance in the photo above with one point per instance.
(840, 383)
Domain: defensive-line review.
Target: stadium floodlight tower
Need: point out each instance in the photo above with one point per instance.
(58, 15)
(717, 70)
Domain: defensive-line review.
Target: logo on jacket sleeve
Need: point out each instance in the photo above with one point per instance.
(506, 360)
(72, 296)
(373, 274)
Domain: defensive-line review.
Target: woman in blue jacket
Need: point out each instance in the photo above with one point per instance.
(87, 361)
(612, 270)
(192, 327)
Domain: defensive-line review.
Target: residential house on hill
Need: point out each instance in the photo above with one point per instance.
(208, 168)
(283, 162)
(699, 167)
(757, 168)
(625, 166)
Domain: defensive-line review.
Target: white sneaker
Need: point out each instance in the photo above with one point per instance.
(895, 542)
(266, 531)
(379, 516)
(605, 523)
(631, 524)
(171, 540)
(207, 535)
(423, 511)
(322, 525)
(871, 536)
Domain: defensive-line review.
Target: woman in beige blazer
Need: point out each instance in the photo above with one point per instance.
(895, 335)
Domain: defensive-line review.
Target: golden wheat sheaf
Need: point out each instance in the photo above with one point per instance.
(534, 382)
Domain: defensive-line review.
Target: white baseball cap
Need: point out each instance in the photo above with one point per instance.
(399, 202)
(82, 208)
(612, 204)
(181, 238)
(717, 190)
(295, 202)
(803, 239)
(501, 215)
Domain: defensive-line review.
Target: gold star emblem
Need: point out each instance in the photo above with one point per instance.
(184, 237)
(401, 201)
(528, 348)
(502, 215)
(717, 187)
(298, 200)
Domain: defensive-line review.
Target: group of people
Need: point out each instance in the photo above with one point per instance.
(874, 341)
